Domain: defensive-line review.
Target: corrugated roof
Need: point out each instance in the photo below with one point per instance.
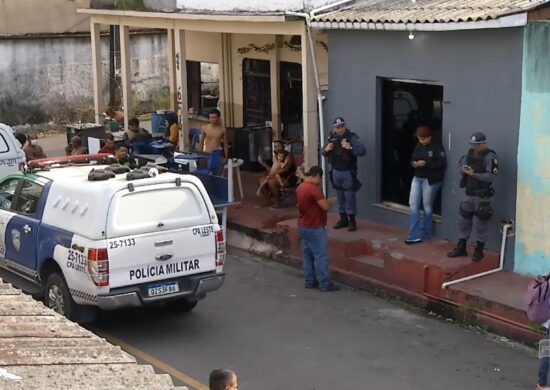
(427, 11)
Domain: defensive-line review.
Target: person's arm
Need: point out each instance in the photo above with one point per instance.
(173, 138)
(357, 147)
(326, 149)
(325, 203)
(202, 139)
(27, 154)
(491, 166)
(461, 162)
(438, 161)
(42, 154)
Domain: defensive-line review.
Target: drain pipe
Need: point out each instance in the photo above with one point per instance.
(505, 229)
(307, 18)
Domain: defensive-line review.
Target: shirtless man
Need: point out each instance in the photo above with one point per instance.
(213, 134)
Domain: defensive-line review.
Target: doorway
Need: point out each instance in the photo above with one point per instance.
(291, 99)
(256, 92)
(406, 104)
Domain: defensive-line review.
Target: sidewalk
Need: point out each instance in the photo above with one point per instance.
(376, 258)
(40, 349)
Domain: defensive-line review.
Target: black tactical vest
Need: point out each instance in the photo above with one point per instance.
(342, 159)
(475, 187)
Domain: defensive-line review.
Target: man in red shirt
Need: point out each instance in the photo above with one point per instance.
(313, 207)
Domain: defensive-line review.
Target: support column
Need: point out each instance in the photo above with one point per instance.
(275, 88)
(95, 29)
(126, 73)
(171, 68)
(310, 117)
(226, 84)
(181, 83)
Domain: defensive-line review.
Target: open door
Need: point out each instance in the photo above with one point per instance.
(406, 104)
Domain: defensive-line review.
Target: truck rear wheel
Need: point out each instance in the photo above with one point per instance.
(58, 298)
(182, 305)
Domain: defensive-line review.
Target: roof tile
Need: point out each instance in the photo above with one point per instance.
(427, 11)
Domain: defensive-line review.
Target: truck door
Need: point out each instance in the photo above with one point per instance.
(21, 230)
(10, 156)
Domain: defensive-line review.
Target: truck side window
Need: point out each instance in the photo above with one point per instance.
(3, 144)
(28, 197)
(7, 190)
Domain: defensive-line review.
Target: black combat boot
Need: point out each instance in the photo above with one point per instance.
(478, 252)
(343, 222)
(459, 250)
(352, 224)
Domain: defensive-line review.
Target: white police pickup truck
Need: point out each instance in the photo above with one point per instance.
(106, 237)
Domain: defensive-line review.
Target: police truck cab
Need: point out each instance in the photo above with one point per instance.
(107, 237)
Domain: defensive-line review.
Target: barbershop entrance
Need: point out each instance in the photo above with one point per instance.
(406, 104)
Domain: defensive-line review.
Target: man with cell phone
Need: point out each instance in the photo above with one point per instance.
(478, 169)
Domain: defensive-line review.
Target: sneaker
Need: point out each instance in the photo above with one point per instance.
(330, 287)
(413, 241)
(310, 286)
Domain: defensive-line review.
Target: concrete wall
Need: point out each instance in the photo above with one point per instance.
(533, 192)
(42, 16)
(481, 74)
(48, 78)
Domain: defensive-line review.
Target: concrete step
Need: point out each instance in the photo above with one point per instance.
(48, 351)
(372, 261)
(85, 377)
(500, 293)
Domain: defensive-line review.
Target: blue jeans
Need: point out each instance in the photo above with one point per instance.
(544, 365)
(421, 193)
(315, 256)
(345, 196)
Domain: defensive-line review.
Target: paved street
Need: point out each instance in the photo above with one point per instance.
(277, 335)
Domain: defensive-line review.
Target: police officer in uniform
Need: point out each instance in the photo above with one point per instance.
(479, 167)
(342, 149)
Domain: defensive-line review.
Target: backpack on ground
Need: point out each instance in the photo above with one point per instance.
(537, 299)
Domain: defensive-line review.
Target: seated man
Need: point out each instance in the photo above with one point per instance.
(276, 179)
(136, 133)
(109, 146)
(32, 150)
(75, 147)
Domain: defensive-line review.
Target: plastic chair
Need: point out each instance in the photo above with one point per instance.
(195, 136)
(215, 161)
(237, 162)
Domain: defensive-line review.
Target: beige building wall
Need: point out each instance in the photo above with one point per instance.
(203, 46)
(19, 17)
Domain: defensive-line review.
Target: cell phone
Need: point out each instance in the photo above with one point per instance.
(466, 166)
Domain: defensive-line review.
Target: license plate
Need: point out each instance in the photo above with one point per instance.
(163, 289)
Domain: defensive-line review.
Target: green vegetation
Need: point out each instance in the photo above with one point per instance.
(160, 100)
(135, 5)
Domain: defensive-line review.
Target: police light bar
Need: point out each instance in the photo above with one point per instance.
(81, 159)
